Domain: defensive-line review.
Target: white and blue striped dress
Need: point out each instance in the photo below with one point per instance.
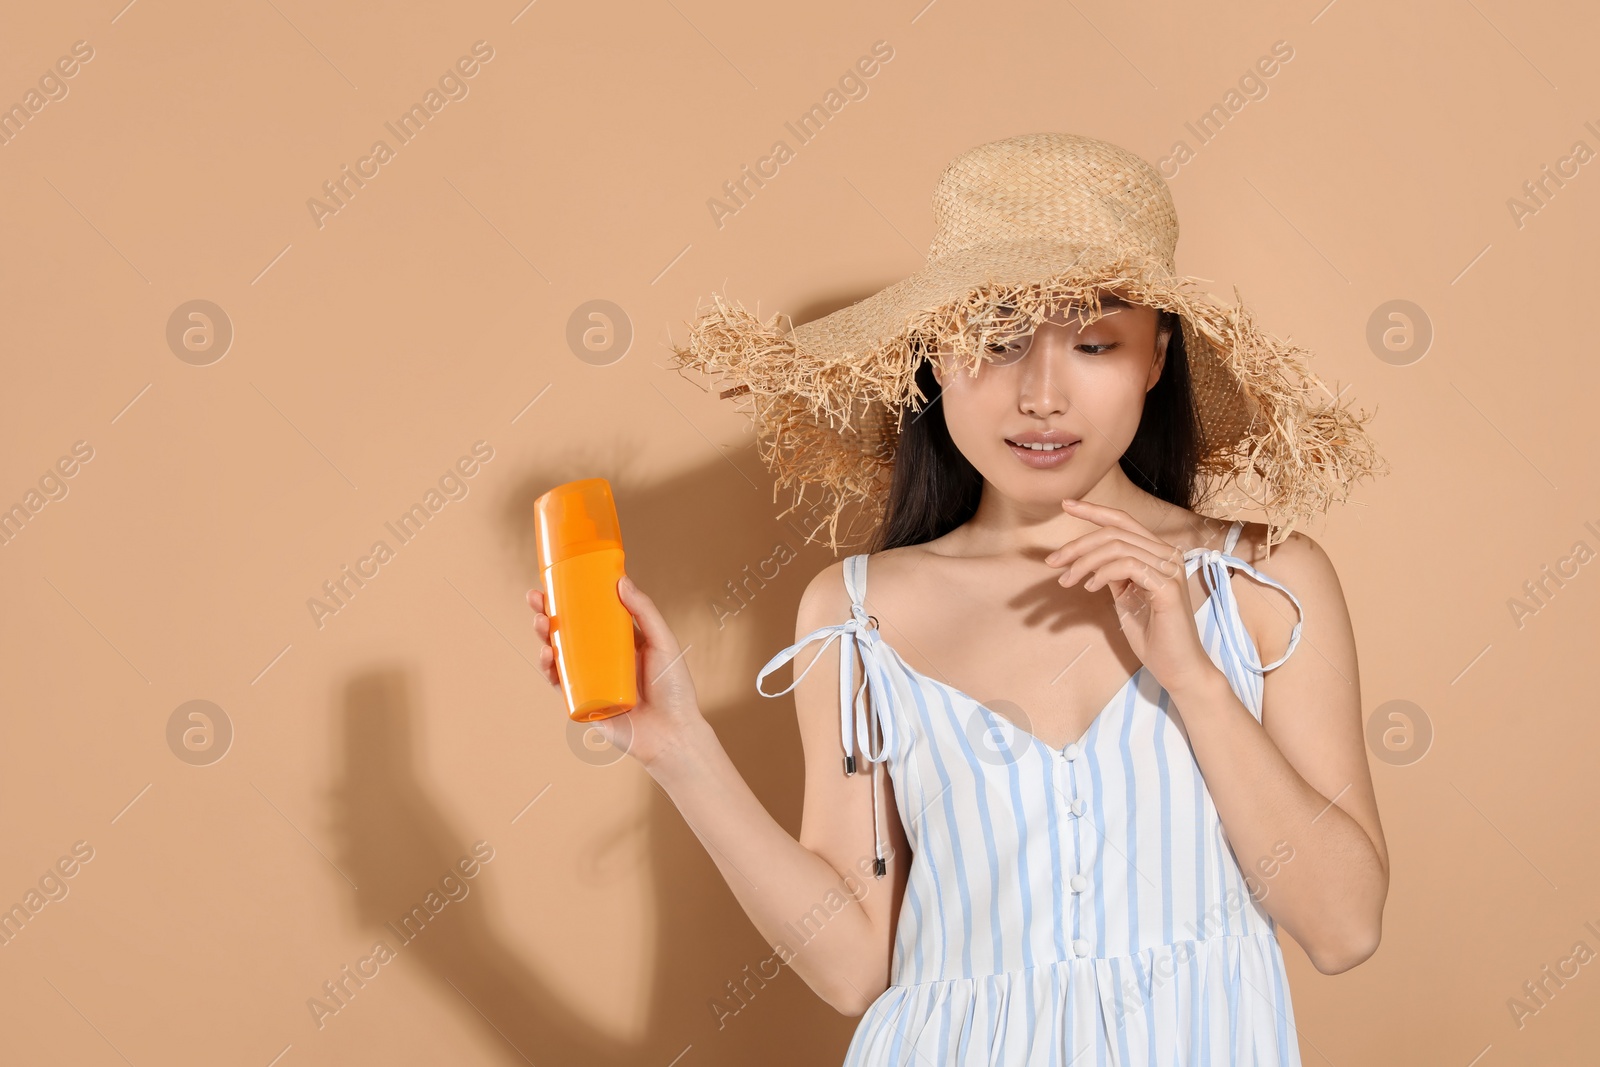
(1078, 905)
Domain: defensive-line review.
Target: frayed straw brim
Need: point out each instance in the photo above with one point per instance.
(827, 397)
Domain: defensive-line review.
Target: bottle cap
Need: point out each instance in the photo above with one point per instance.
(575, 518)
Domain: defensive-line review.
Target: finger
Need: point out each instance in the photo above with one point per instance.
(1090, 562)
(656, 633)
(1107, 516)
(547, 665)
(536, 599)
(1131, 601)
(1078, 545)
(1081, 555)
(1103, 571)
(1140, 572)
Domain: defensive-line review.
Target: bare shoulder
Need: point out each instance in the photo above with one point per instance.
(891, 570)
(825, 601)
(1297, 560)
(826, 598)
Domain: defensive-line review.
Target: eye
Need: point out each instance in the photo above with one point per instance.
(1004, 351)
(1099, 348)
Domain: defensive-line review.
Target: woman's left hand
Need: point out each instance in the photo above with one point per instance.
(1148, 586)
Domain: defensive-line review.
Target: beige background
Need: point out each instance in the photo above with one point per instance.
(431, 312)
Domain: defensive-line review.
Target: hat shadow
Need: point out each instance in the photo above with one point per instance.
(694, 543)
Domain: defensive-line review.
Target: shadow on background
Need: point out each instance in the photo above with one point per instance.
(686, 539)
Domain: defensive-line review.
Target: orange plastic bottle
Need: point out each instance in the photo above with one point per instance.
(580, 560)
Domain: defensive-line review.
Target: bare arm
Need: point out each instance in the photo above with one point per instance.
(815, 900)
(1294, 791)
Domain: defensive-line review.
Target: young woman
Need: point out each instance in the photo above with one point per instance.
(1110, 781)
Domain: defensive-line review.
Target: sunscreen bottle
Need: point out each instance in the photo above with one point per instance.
(580, 560)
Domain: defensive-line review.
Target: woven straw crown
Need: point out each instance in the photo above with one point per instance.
(1048, 187)
(1025, 226)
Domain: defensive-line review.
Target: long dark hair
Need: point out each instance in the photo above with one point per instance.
(933, 489)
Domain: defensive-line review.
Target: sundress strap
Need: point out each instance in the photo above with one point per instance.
(855, 716)
(1216, 562)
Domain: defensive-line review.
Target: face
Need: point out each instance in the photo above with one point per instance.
(1078, 386)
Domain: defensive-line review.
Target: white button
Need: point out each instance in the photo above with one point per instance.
(1078, 883)
(1071, 751)
(1077, 805)
(1081, 947)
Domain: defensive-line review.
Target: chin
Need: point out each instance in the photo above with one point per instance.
(1042, 489)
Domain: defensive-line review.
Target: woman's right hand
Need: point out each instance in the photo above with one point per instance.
(668, 712)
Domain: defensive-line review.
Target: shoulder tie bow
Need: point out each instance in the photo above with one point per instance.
(853, 711)
(1216, 563)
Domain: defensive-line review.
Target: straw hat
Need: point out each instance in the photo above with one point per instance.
(1024, 226)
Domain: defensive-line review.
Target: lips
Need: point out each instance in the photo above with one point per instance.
(1041, 446)
(1043, 440)
(1042, 451)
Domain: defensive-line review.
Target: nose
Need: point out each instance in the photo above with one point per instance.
(1041, 384)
